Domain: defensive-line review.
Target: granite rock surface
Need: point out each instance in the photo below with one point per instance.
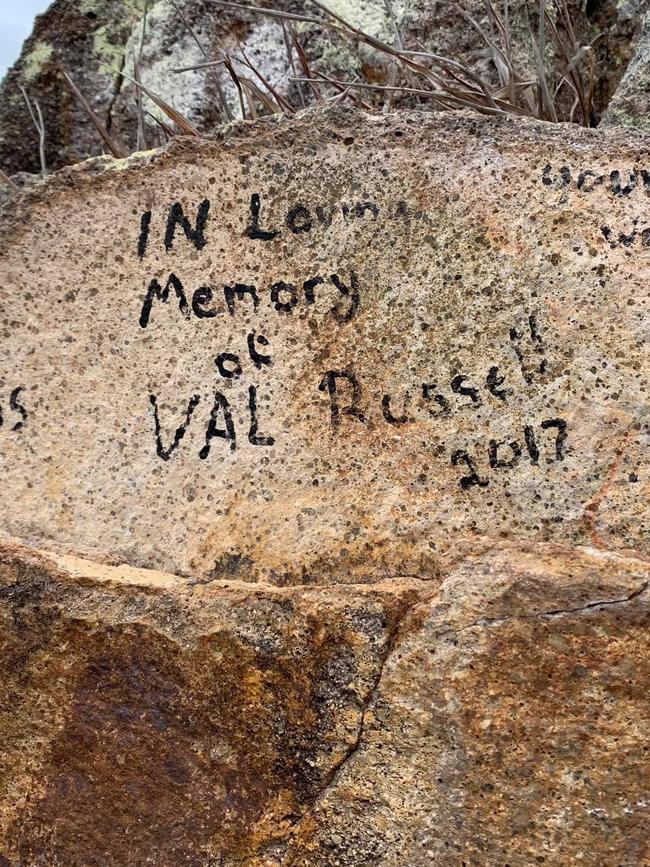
(495, 716)
(330, 349)
(324, 533)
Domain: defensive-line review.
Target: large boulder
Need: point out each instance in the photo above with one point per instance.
(86, 39)
(324, 527)
(335, 345)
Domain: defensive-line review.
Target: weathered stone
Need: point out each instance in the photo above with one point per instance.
(508, 727)
(483, 282)
(94, 42)
(631, 102)
(498, 716)
(85, 39)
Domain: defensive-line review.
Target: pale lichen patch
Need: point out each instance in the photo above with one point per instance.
(36, 60)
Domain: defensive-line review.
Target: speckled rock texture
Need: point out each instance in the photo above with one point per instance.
(97, 41)
(497, 716)
(330, 349)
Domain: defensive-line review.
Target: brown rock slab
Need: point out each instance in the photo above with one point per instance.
(330, 348)
(512, 714)
(498, 716)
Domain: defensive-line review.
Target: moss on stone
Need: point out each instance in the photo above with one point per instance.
(36, 59)
(108, 52)
(108, 47)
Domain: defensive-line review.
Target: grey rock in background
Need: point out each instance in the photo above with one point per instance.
(94, 42)
(630, 104)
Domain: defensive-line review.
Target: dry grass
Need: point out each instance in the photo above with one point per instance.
(115, 148)
(414, 77)
(36, 115)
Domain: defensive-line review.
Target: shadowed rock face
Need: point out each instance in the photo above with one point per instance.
(495, 716)
(95, 42)
(629, 107)
(330, 348)
(84, 39)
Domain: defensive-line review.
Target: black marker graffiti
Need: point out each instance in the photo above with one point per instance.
(16, 406)
(283, 297)
(330, 383)
(505, 455)
(161, 451)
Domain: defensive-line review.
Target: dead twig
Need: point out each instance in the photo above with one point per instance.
(112, 144)
(224, 108)
(4, 177)
(37, 119)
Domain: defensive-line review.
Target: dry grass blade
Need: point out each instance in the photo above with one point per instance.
(504, 62)
(304, 63)
(4, 177)
(575, 56)
(253, 92)
(114, 147)
(501, 61)
(282, 103)
(292, 67)
(237, 83)
(37, 119)
(545, 103)
(41, 130)
(456, 71)
(363, 85)
(224, 108)
(141, 143)
(208, 65)
(340, 86)
(449, 98)
(270, 13)
(250, 97)
(187, 26)
(175, 116)
(167, 130)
